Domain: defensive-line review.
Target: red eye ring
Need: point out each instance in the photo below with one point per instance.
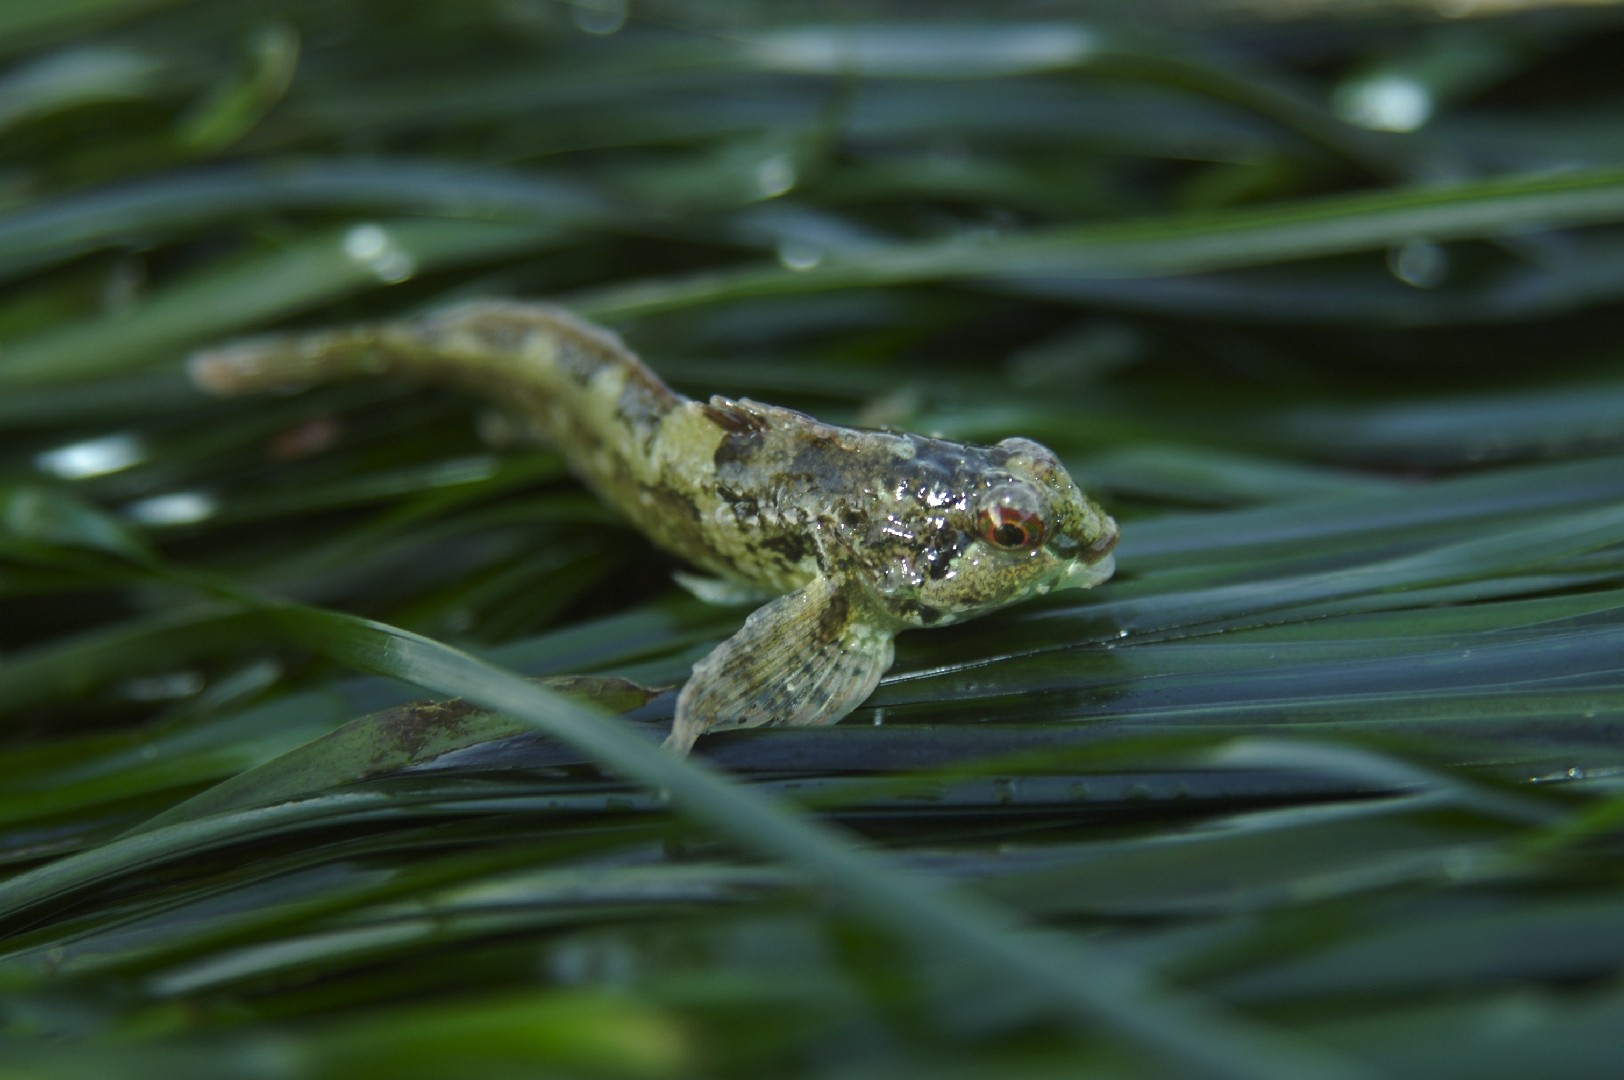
(1010, 527)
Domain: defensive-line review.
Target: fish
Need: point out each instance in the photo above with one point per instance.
(845, 536)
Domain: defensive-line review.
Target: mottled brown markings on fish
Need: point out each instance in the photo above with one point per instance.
(663, 493)
(558, 424)
(680, 504)
(745, 434)
(823, 462)
(815, 457)
(651, 387)
(642, 405)
(581, 364)
(924, 612)
(755, 495)
(732, 417)
(832, 619)
(494, 333)
(737, 452)
(746, 509)
(586, 438)
(792, 546)
(939, 560)
(508, 335)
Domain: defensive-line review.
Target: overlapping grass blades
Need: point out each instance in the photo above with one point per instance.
(1325, 784)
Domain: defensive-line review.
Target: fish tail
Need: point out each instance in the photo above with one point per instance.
(493, 346)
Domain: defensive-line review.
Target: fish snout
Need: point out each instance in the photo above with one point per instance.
(1103, 544)
(1094, 563)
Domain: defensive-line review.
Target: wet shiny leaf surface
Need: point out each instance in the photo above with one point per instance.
(1327, 782)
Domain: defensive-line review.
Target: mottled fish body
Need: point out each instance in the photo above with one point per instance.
(858, 534)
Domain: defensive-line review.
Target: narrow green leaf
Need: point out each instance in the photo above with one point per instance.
(22, 23)
(54, 516)
(381, 743)
(1328, 226)
(1084, 983)
(41, 234)
(223, 300)
(566, 1031)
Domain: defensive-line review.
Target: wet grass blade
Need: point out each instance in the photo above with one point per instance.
(1333, 762)
(1181, 245)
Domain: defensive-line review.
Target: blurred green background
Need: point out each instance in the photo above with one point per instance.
(1322, 301)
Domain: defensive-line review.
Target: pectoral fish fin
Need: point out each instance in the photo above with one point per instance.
(806, 658)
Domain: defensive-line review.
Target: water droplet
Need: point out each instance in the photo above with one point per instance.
(599, 16)
(1420, 263)
(365, 242)
(795, 255)
(775, 176)
(167, 687)
(175, 508)
(92, 457)
(907, 50)
(1386, 101)
(373, 247)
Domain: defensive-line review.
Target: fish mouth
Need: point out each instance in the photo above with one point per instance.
(1087, 575)
(1096, 563)
(1105, 543)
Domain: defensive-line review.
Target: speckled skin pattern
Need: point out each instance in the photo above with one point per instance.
(859, 534)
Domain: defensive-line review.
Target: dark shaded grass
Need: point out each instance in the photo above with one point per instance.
(1324, 784)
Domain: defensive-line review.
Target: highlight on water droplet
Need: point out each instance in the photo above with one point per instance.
(775, 176)
(796, 255)
(173, 508)
(599, 16)
(92, 457)
(914, 50)
(373, 247)
(169, 687)
(1386, 101)
(1420, 263)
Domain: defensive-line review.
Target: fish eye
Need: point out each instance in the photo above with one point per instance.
(1011, 518)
